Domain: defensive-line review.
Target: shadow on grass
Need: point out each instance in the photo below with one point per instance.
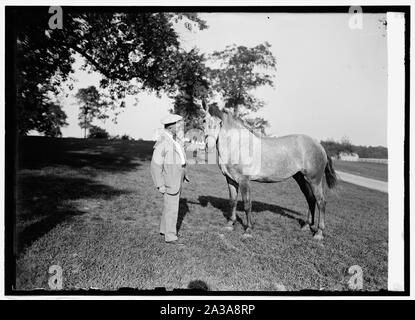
(198, 285)
(99, 154)
(257, 206)
(44, 201)
(183, 210)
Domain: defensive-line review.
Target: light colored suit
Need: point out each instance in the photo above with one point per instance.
(167, 170)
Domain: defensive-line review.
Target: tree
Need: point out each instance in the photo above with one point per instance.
(192, 86)
(51, 122)
(334, 148)
(96, 132)
(347, 145)
(133, 51)
(257, 124)
(140, 46)
(92, 107)
(241, 71)
(126, 137)
(41, 65)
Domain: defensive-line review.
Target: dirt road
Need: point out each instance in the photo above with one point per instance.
(364, 182)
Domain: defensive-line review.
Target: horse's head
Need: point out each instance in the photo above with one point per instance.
(211, 125)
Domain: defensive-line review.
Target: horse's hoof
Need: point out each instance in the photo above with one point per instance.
(228, 228)
(247, 235)
(318, 235)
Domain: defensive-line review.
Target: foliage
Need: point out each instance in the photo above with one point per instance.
(241, 71)
(126, 137)
(51, 121)
(192, 86)
(347, 145)
(334, 148)
(378, 152)
(96, 132)
(42, 63)
(257, 124)
(93, 106)
(133, 51)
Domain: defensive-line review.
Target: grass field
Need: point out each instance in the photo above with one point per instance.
(378, 171)
(91, 208)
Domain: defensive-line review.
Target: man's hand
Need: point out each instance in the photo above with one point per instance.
(162, 189)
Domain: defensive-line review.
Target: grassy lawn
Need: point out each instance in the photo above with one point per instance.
(378, 171)
(91, 208)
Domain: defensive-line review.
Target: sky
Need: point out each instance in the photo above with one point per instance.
(330, 81)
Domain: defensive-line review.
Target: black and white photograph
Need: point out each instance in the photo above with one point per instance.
(206, 150)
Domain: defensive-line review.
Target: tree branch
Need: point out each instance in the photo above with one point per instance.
(97, 65)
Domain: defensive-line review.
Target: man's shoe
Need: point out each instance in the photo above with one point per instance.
(176, 243)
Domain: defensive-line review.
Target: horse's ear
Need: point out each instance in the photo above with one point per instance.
(216, 112)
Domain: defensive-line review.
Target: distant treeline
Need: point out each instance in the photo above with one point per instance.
(334, 148)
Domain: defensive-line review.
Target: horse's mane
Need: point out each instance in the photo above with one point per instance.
(232, 121)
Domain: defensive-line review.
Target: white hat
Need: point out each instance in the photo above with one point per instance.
(171, 118)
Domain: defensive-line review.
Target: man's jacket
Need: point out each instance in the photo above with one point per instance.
(166, 167)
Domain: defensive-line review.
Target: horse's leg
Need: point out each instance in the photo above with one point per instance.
(321, 204)
(246, 197)
(311, 200)
(233, 201)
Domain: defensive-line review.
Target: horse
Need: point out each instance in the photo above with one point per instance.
(245, 156)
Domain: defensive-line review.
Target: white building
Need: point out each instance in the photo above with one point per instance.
(345, 156)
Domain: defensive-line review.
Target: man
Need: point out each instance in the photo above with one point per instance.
(168, 172)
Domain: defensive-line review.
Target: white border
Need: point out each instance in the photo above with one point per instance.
(395, 136)
(396, 127)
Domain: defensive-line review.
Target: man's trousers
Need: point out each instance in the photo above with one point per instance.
(169, 217)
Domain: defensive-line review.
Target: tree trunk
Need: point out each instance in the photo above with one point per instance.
(85, 125)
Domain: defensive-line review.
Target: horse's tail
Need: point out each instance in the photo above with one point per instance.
(331, 177)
